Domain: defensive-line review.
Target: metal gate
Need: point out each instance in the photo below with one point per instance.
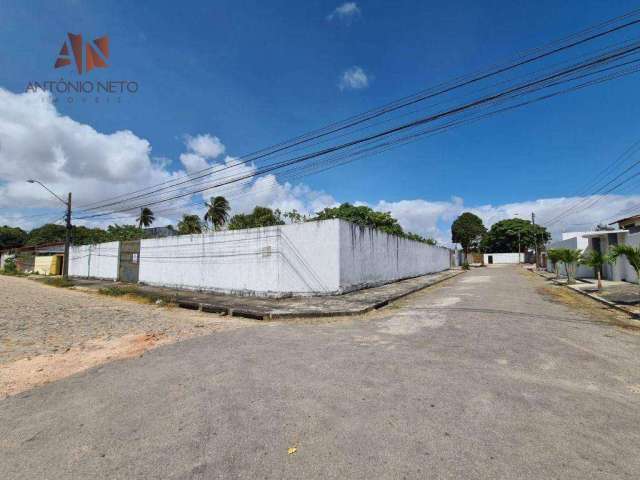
(129, 264)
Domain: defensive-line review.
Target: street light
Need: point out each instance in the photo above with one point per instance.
(67, 239)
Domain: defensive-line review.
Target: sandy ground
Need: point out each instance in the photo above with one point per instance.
(48, 333)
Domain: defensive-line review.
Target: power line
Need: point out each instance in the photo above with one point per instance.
(374, 113)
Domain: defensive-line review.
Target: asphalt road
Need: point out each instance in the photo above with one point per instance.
(488, 375)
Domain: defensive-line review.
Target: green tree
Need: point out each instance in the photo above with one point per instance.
(260, 217)
(146, 217)
(467, 230)
(190, 224)
(570, 257)
(12, 237)
(596, 260)
(631, 253)
(503, 236)
(217, 212)
(555, 256)
(420, 238)
(124, 232)
(295, 217)
(82, 235)
(363, 216)
(48, 233)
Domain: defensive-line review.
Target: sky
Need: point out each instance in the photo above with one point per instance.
(217, 80)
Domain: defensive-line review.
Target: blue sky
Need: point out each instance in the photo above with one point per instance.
(255, 73)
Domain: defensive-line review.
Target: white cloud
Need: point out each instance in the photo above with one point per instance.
(205, 145)
(345, 13)
(37, 142)
(434, 218)
(353, 78)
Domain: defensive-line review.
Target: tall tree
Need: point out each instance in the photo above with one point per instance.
(48, 233)
(467, 230)
(189, 224)
(12, 237)
(124, 232)
(260, 217)
(217, 212)
(146, 217)
(505, 235)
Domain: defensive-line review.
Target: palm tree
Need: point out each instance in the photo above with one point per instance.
(189, 224)
(595, 259)
(217, 212)
(631, 253)
(555, 257)
(570, 258)
(146, 217)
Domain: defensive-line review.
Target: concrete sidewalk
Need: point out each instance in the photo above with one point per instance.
(264, 308)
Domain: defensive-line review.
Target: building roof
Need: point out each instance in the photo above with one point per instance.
(633, 217)
(600, 233)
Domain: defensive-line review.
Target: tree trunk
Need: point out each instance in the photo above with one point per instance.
(599, 280)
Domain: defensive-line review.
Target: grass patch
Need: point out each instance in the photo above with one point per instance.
(10, 273)
(118, 291)
(133, 293)
(57, 282)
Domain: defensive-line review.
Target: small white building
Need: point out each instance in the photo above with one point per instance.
(600, 240)
(503, 258)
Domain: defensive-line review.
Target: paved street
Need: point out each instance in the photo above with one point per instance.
(492, 374)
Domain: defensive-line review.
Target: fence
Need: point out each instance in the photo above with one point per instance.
(95, 261)
(327, 257)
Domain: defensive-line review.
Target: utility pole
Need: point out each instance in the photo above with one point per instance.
(67, 238)
(67, 241)
(535, 238)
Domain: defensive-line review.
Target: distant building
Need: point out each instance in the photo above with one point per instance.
(160, 232)
(632, 224)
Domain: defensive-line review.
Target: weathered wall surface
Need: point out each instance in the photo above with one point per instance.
(499, 258)
(95, 261)
(290, 259)
(312, 258)
(370, 257)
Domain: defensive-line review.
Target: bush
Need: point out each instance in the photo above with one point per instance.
(10, 266)
(465, 265)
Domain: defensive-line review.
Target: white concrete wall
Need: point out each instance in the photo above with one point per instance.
(95, 261)
(328, 257)
(371, 257)
(289, 259)
(499, 258)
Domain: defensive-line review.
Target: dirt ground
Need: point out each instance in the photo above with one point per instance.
(47, 333)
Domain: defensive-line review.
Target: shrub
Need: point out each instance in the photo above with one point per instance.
(465, 265)
(10, 266)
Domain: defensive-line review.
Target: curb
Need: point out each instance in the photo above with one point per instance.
(274, 315)
(634, 321)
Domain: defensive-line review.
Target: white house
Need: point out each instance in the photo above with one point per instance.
(602, 240)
